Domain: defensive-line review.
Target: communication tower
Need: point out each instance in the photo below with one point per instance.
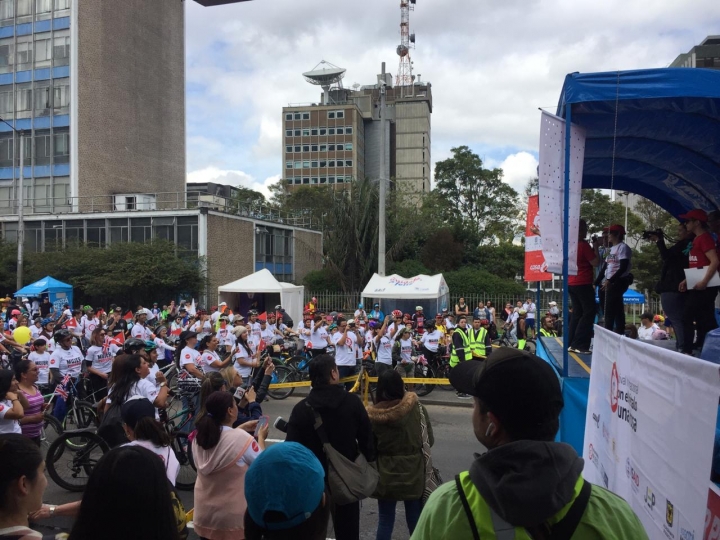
(407, 40)
(325, 75)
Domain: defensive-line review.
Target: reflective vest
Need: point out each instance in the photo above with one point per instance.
(454, 358)
(486, 524)
(548, 333)
(477, 341)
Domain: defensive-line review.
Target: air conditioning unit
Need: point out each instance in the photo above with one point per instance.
(136, 201)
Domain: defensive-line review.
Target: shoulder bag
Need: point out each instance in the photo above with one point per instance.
(432, 475)
(348, 481)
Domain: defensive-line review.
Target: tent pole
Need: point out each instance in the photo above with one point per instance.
(566, 242)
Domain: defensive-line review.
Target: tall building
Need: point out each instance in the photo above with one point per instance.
(96, 89)
(318, 148)
(705, 55)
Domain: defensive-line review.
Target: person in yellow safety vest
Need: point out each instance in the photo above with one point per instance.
(521, 329)
(480, 341)
(460, 343)
(526, 486)
(548, 328)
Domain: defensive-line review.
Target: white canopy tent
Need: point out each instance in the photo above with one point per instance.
(263, 292)
(397, 292)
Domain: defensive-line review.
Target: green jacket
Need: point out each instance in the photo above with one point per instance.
(398, 440)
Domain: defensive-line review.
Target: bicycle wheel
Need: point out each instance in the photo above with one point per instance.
(531, 346)
(443, 372)
(423, 372)
(72, 457)
(187, 474)
(51, 430)
(282, 374)
(82, 415)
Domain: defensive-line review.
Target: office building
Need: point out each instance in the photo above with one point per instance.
(705, 55)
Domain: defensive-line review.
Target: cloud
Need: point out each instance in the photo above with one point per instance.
(518, 169)
(233, 178)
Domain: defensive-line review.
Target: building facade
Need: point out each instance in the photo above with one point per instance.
(705, 55)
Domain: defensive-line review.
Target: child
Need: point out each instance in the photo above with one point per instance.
(42, 360)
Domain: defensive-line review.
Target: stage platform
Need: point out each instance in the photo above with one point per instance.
(551, 349)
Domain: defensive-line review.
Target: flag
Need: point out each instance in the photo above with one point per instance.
(176, 332)
(191, 310)
(128, 316)
(66, 380)
(262, 317)
(60, 391)
(118, 340)
(223, 325)
(262, 345)
(71, 323)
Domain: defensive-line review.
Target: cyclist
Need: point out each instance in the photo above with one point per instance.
(245, 358)
(317, 337)
(430, 341)
(384, 342)
(360, 314)
(393, 327)
(521, 329)
(377, 313)
(165, 350)
(99, 359)
(419, 320)
(88, 324)
(210, 360)
(225, 335)
(46, 334)
(65, 366)
(140, 330)
(150, 354)
(254, 329)
(133, 346)
(41, 358)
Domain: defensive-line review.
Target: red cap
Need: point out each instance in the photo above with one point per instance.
(616, 229)
(262, 317)
(698, 214)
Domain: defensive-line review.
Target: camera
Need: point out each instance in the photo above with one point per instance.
(647, 234)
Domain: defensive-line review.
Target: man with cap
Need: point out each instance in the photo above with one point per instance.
(616, 279)
(699, 310)
(377, 313)
(116, 324)
(525, 485)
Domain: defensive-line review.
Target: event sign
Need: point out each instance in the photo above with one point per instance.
(649, 432)
(535, 267)
(551, 173)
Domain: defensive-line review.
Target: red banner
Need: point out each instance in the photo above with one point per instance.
(712, 518)
(534, 260)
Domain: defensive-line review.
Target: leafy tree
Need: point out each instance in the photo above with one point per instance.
(599, 211)
(408, 268)
(442, 252)
(245, 197)
(320, 280)
(504, 260)
(475, 197)
(647, 265)
(482, 282)
(654, 216)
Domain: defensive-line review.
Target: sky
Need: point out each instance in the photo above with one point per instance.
(491, 64)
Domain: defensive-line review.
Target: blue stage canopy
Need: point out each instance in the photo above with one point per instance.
(667, 138)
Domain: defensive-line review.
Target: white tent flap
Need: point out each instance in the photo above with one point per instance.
(395, 286)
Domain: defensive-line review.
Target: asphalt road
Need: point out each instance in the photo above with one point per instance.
(452, 453)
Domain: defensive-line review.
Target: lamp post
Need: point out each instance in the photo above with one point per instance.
(626, 194)
(382, 185)
(21, 208)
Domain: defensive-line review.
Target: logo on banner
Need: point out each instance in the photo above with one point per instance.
(614, 388)
(596, 419)
(669, 513)
(593, 456)
(649, 498)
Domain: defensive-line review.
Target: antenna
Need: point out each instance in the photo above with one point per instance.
(407, 40)
(325, 75)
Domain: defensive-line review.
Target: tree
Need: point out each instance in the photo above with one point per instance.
(599, 211)
(478, 281)
(653, 215)
(504, 260)
(442, 252)
(475, 197)
(245, 197)
(408, 268)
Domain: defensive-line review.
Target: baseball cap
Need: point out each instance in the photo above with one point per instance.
(135, 409)
(286, 480)
(418, 308)
(521, 389)
(553, 303)
(223, 303)
(616, 228)
(698, 214)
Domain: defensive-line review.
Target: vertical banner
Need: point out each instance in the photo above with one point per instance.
(649, 432)
(535, 267)
(552, 190)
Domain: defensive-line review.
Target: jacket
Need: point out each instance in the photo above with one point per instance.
(398, 442)
(675, 260)
(527, 484)
(345, 420)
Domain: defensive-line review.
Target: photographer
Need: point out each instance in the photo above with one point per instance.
(675, 260)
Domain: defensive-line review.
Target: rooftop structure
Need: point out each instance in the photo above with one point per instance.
(705, 55)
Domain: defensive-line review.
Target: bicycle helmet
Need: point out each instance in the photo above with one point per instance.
(45, 322)
(397, 313)
(659, 319)
(61, 334)
(484, 322)
(133, 345)
(15, 312)
(360, 305)
(373, 324)
(150, 346)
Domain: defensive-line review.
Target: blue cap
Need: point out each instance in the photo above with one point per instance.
(286, 478)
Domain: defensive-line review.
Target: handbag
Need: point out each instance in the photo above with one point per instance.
(432, 474)
(348, 481)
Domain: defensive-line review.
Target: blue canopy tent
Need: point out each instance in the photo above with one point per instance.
(59, 293)
(650, 132)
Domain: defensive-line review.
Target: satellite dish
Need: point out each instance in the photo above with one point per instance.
(325, 75)
(355, 86)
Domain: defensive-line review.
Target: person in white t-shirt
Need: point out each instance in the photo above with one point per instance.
(12, 408)
(360, 314)
(647, 327)
(254, 330)
(317, 336)
(245, 358)
(130, 381)
(617, 279)
(89, 323)
(35, 328)
(99, 358)
(41, 358)
(225, 335)
(140, 329)
(384, 343)
(65, 360)
(345, 341)
(430, 340)
(210, 360)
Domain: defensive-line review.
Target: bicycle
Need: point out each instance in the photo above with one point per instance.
(79, 414)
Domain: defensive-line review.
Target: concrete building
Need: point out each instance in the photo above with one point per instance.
(310, 147)
(705, 55)
(97, 90)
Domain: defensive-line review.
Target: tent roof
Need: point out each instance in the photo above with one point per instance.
(43, 285)
(396, 286)
(633, 297)
(666, 141)
(261, 281)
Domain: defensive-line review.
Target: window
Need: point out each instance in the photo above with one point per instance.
(288, 116)
(340, 114)
(340, 131)
(348, 130)
(331, 179)
(306, 180)
(331, 114)
(314, 180)
(297, 148)
(24, 7)
(289, 181)
(348, 162)
(314, 164)
(331, 131)
(62, 4)
(6, 102)
(288, 132)
(23, 98)
(43, 52)
(61, 48)
(6, 149)
(6, 9)
(340, 179)
(306, 164)
(306, 116)
(306, 148)
(313, 131)
(323, 179)
(297, 132)
(28, 151)
(323, 164)
(24, 51)
(348, 146)
(7, 55)
(61, 148)
(331, 147)
(43, 6)
(288, 149)
(298, 164)
(323, 147)
(297, 116)
(314, 148)
(323, 131)
(298, 180)
(331, 163)
(61, 95)
(96, 232)
(43, 98)
(288, 164)
(305, 132)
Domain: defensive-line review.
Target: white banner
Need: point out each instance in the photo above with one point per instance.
(552, 188)
(649, 432)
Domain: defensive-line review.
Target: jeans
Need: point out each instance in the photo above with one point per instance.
(615, 306)
(386, 518)
(700, 309)
(347, 371)
(187, 401)
(582, 298)
(673, 304)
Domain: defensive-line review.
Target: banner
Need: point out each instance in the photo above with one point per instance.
(649, 432)
(534, 261)
(551, 172)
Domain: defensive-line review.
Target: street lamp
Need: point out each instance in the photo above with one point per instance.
(21, 222)
(626, 194)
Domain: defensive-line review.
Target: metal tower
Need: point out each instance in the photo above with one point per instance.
(407, 40)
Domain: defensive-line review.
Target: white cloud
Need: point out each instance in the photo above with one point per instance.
(233, 178)
(518, 169)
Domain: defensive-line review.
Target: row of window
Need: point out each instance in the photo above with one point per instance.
(306, 115)
(289, 149)
(311, 180)
(41, 52)
(708, 62)
(346, 130)
(45, 148)
(23, 8)
(44, 97)
(315, 164)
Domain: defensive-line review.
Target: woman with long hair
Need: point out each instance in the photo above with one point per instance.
(245, 359)
(210, 360)
(127, 496)
(222, 456)
(99, 360)
(213, 382)
(165, 350)
(12, 405)
(26, 374)
(22, 484)
(396, 424)
(130, 381)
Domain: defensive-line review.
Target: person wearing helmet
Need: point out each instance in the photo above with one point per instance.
(65, 362)
(254, 329)
(13, 320)
(88, 324)
(418, 319)
(140, 330)
(377, 313)
(133, 346)
(397, 322)
(521, 329)
(99, 359)
(360, 314)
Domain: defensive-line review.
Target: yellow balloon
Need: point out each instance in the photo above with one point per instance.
(22, 335)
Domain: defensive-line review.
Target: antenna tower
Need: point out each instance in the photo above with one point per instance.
(407, 40)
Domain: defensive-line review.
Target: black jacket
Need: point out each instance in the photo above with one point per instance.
(675, 260)
(345, 420)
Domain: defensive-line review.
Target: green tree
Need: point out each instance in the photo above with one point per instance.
(442, 252)
(599, 211)
(479, 281)
(245, 197)
(476, 197)
(504, 260)
(654, 216)
(408, 268)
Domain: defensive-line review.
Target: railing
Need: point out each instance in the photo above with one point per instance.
(159, 201)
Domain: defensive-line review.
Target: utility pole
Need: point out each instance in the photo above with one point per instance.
(382, 185)
(21, 222)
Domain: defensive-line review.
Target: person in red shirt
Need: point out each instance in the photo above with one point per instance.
(582, 294)
(699, 312)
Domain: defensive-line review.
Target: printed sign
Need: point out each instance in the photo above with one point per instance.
(535, 267)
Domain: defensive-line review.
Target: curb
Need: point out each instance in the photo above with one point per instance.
(452, 402)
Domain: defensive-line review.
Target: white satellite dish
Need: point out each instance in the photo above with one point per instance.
(324, 75)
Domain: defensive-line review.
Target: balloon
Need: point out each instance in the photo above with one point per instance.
(22, 335)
